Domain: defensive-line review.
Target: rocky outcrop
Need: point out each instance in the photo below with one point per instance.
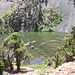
(67, 9)
(5, 6)
(65, 69)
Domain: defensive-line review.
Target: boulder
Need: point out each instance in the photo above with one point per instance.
(33, 41)
(65, 69)
(32, 47)
(27, 44)
(42, 44)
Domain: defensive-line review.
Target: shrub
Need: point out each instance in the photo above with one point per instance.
(69, 46)
(1, 66)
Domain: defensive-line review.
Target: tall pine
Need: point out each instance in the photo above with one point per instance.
(69, 46)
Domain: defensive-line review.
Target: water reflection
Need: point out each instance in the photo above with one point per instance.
(36, 61)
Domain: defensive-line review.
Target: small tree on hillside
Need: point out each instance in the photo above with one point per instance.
(1, 64)
(56, 60)
(16, 45)
(40, 13)
(7, 58)
(69, 46)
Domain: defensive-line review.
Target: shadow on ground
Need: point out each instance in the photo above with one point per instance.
(22, 70)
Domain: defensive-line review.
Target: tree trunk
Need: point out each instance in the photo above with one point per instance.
(10, 63)
(17, 61)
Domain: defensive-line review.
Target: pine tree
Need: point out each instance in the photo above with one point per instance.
(14, 43)
(1, 64)
(69, 46)
(56, 60)
(40, 13)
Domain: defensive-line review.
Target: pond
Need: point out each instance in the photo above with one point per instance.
(41, 44)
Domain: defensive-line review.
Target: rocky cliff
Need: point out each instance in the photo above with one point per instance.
(67, 9)
(65, 69)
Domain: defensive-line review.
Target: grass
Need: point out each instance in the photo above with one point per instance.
(40, 69)
(5, 73)
(43, 68)
(37, 66)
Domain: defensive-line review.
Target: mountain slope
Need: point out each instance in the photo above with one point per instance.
(67, 9)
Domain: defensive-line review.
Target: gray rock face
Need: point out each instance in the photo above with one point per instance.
(5, 6)
(67, 9)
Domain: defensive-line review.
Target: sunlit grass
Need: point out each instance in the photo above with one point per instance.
(42, 68)
(5, 73)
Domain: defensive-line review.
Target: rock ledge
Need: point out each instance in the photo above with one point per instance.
(65, 69)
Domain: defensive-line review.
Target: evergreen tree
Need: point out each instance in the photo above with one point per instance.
(40, 13)
(56, 60)
(16, 45)
(69, 46)
(0, 26)
(1, 64)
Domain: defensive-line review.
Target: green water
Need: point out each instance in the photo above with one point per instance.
(47, 49)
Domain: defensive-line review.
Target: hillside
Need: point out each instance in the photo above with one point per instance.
(30, 17)
(67, 9)
(33, 10)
